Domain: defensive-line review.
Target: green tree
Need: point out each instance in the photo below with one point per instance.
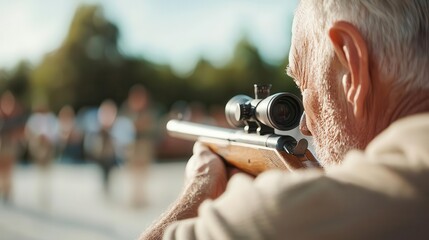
(17, 81)
(88, 67)
(246, 68)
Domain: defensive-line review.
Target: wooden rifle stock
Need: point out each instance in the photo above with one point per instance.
(250, 152)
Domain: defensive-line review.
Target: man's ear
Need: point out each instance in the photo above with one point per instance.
(352, 52)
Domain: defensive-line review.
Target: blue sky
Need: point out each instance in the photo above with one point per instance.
(176, 32)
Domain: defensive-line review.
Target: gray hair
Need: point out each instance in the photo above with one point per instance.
(397, 33)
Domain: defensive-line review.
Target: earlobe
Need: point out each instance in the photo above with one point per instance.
(352, 53)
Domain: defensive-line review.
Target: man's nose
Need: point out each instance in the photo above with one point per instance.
(303, 126)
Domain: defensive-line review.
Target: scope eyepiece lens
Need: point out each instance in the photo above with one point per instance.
(286, 112)
(280, 113)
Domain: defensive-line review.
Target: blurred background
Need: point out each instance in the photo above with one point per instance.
(86, 88)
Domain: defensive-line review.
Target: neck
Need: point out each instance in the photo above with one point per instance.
(392, 103)
(410, 103)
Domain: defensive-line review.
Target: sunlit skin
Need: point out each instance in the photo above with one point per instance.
(347, 100)
(326, 108)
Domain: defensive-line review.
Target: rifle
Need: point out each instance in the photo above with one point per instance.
(258, 146)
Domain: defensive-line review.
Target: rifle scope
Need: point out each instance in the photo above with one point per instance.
(281, 111)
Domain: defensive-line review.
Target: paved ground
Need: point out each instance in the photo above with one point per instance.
(72, 205)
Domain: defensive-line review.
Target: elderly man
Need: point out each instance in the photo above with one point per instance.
(362, 67)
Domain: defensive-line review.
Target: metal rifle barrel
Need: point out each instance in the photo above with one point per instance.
(193, 131)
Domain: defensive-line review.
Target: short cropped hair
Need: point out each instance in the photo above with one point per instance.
(396, 31)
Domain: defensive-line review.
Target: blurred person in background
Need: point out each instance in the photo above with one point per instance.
(12, 123)
(70, 136)
(362, 68)
(110, 142)
(100, 145)
(42, 136)
(138, 109)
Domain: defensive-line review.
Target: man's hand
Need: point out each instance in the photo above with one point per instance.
(205, 178)
(206, 171)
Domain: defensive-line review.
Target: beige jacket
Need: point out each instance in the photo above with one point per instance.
(381, 193)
